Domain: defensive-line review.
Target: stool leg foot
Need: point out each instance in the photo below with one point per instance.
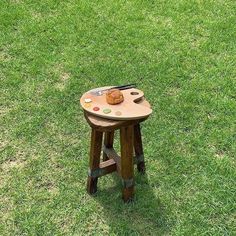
(92, 185)
(128, 194)
(127, 168)
(141, 167)
(138, 148)
(108, 142)
(95, 151)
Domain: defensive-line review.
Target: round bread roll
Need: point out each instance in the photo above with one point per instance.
(114, 96)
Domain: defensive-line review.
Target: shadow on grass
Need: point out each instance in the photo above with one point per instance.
(144, 216)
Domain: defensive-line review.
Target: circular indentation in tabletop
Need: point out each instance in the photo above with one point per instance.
(96, 108)
(118, 113)
(87, 105)
(106, 110)
(134, 93)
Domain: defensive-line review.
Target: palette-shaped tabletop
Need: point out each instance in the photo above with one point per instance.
(130, 108)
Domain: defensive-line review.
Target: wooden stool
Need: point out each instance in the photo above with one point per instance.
(130, 142)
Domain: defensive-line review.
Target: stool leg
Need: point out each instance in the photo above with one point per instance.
(108, 142)
(95, 151)
(127, 168)
(138, 148)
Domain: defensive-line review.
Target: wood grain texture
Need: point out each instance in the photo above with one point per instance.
(130, 143)
(104, 125)
(130, 108)
(94, 161)
(127, 170)
(107, 167)
(111, 154)
(108, 142)
(138, 149)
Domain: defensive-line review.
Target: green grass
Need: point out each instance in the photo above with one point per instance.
(183, 56)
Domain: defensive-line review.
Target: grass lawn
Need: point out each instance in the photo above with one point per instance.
(181, 53)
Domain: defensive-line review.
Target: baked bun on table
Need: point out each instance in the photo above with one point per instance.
(114, 96)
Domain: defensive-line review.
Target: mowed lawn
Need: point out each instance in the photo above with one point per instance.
(182, 54)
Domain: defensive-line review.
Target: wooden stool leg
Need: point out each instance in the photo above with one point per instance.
(95, 151)
(127, 169)
(138, 148)
(108, 143)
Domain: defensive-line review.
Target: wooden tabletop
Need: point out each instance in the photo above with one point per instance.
(132, 107)
(103, 124)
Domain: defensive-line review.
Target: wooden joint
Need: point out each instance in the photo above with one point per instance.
(127, 183)
(105, 168)
(112, 154)
(96, 172)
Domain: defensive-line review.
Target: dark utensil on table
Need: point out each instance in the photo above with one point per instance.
(100, 92)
